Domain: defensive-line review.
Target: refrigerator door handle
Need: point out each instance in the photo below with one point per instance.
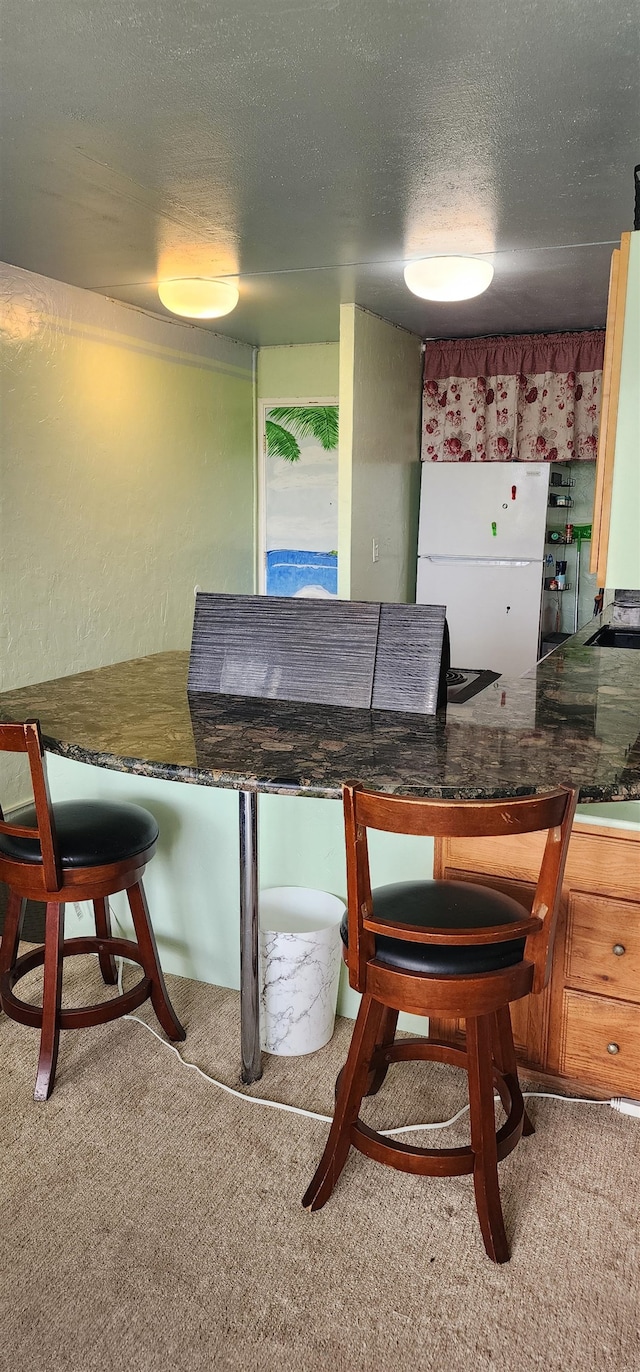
(444, 559)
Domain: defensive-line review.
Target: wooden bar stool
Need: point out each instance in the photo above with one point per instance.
(443, 948)
(75, 850)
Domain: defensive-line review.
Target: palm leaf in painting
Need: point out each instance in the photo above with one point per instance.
(310, 421)
(281, 443)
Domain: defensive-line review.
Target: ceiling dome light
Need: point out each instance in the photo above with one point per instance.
(198, 297)
(448, 278)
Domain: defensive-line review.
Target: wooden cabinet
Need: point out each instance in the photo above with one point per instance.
(600, 1042)
(609, 408)
(615, 552)
(585, 1027)
(602, 946)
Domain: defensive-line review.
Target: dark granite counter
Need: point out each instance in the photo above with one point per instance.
(574, 719)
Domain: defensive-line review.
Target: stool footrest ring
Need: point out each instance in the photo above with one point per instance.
(438, 1162)
(84, 1016)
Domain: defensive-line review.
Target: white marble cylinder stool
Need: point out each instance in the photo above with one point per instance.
(300, 955)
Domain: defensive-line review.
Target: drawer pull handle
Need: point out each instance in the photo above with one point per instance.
(619, 949)
(613, 1048)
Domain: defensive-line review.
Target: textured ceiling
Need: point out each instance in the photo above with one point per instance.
(312, 146)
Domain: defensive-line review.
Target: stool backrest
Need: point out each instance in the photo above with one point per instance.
(26, 738)
(456, 819)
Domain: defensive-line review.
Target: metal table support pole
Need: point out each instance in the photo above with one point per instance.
(249, 973)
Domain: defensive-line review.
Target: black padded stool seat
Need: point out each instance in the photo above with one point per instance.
(77, 850)
(90, 833)
(444, 905)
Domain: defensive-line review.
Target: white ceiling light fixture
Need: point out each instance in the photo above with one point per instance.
(198, 297)
(448, 278)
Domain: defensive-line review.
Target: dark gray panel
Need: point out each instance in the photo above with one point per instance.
(284, 649)
(409, 662)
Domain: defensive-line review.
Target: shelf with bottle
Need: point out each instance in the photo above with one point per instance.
(551, 584)
(573, 534)
(559, 502)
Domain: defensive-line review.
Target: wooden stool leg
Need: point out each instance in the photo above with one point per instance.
(483, 1136)
(103, 930)
(51, 1000)
(151, 963)
(13, 922)
(385, 1037)
(352, 1087)
(504, 1054)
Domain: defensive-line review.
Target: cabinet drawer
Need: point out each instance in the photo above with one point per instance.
(596, 927)
(606, 861)
(591, 1024)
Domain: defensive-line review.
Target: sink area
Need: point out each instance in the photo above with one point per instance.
(611, 637)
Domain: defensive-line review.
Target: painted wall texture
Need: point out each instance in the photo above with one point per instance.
(380, 400)
(305, 371)
(127, 477)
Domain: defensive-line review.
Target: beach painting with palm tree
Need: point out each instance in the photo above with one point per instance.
(301, 499)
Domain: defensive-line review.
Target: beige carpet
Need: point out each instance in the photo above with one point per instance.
(149, 1221)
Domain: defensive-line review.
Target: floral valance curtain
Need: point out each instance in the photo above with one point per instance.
(525, 398)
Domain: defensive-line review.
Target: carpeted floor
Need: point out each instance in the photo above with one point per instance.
(150, 1222)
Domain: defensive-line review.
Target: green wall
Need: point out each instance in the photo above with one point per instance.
(303, 371)
(380, 403)
(127, 477)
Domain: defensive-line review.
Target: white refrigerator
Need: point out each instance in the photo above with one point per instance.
(480, 552)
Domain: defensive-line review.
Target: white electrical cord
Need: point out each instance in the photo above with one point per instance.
(192, 1066)
(618, 1103)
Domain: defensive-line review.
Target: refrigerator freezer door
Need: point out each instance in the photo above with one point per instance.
(484, 509)
(493, 609)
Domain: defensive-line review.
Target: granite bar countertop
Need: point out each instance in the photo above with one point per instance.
(573, 720)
